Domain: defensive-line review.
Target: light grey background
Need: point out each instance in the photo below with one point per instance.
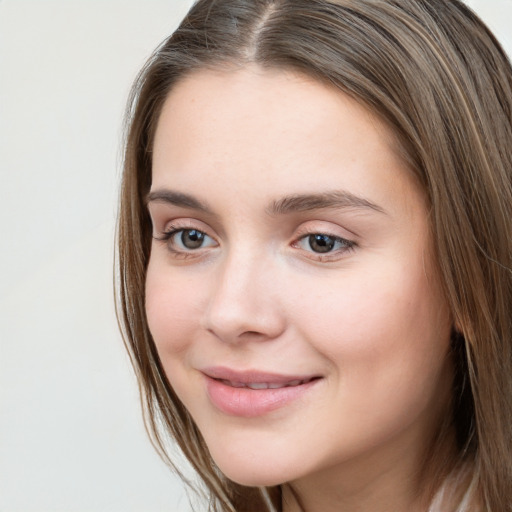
(71, 436)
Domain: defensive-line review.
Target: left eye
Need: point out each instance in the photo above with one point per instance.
(321, 243)
(189, 239)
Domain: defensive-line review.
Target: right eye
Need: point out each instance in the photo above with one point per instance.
(187, 240)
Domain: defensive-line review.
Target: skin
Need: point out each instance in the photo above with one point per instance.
(368, 318)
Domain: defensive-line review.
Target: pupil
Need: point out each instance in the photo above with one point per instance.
(192, 239)
(321, 243)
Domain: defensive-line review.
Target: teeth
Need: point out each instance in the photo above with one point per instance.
(265, 385)
(233, 384)
(258, 385)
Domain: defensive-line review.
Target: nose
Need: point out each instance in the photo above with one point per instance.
(243, 303)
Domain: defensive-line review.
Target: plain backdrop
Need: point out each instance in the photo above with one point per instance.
(71, 434)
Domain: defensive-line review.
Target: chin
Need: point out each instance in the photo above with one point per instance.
(260, 474)
(255, 480)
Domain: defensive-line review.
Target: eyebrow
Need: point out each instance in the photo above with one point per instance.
(324, 200)
(286, 205)
(178, 199)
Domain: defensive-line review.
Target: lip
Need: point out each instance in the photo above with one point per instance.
(254, 393)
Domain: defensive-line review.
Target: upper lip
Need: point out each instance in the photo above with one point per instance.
(246, 377)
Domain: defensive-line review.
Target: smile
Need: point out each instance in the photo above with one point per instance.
(252, 394)
(266, 385)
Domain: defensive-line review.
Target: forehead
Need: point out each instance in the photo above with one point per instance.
(277, 97)
(251, 125)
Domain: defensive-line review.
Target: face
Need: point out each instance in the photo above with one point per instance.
(291, 292)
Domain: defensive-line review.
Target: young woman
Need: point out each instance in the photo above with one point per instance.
(315, 254)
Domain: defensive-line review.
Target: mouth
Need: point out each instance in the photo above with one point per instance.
(251, 394)
(267, 385)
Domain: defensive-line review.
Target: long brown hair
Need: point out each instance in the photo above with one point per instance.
(440, 80)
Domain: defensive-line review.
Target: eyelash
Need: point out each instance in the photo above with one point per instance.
(348, 245)
(331, 255)
(167, 236)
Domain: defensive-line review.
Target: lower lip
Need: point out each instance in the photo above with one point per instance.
(250, 403)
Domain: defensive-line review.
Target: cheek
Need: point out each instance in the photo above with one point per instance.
(173, 308)
(386, 342)
(391, 322)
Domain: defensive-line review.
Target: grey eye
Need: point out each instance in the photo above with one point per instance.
(321, 243)
(192, 238)
(185, 240)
